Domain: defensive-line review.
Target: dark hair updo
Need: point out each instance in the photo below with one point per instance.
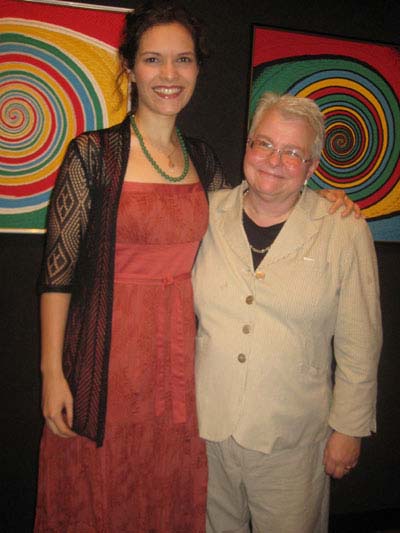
(154, 13)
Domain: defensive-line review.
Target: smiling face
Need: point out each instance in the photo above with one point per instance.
(165, 69)
(266, 175)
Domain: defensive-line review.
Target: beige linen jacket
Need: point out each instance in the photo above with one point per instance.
(265, 338)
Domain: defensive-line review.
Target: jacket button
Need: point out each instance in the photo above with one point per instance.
(260, 274)
(241, 358)
(246, 329)
(249, 299)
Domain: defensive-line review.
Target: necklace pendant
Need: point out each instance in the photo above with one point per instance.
(259, 250)
(171, 164)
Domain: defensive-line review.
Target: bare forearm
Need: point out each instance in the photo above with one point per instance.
(54, 312)
(57, 401)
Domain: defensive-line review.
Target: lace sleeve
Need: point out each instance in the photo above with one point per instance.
(214, 169)
(207, 165)
(67, 220)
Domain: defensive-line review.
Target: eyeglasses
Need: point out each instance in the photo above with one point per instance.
(289, 157)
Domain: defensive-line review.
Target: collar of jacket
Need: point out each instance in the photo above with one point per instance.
(303, 222)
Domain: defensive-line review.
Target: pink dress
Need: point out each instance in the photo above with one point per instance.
(150, 475)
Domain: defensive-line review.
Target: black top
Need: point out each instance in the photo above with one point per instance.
(259, 237)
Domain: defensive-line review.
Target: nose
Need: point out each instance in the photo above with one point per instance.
(168, 70)
(274, 158)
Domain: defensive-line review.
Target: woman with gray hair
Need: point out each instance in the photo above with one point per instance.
(294, 288)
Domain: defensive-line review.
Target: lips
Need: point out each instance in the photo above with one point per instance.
(168, 92)
(269, 174)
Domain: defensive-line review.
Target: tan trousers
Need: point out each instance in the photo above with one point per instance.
(281, 492)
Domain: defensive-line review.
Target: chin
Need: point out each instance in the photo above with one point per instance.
(268, 182)
(171, 110)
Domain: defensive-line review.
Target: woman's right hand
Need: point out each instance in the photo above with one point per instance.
(57, 406)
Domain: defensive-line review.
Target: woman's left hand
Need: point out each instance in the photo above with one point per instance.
(340, 199)
(341, 454)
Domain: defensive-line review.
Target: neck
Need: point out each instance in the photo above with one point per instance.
(267, 212)
(158, 129)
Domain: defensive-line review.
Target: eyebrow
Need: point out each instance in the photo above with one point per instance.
(145, 52)
(286, 146)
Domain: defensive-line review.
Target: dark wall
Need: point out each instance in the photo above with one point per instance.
(217, 113)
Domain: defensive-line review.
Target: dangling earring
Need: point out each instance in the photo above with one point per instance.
(131, 81)
(128, 96)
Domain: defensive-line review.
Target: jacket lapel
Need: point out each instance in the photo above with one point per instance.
(229, 221)
(302, 224)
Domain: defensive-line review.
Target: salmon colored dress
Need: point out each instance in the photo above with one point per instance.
(150, 475)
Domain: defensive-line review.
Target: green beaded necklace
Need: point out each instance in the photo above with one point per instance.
(154, 163)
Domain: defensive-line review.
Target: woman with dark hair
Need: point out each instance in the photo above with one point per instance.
(126, 218)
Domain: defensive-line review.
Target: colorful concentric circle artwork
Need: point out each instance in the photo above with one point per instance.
(358, 93)
(54, 83)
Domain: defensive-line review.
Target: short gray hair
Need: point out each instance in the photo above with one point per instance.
(293, 107)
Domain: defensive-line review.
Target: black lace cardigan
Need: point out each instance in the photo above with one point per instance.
(79, 257)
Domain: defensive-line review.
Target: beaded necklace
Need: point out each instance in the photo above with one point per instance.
(154, 163)
(259, 250)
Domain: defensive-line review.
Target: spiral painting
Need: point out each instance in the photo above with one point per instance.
(55, 82)
(356, 86)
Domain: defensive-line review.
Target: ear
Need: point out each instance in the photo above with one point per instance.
(313, 167)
